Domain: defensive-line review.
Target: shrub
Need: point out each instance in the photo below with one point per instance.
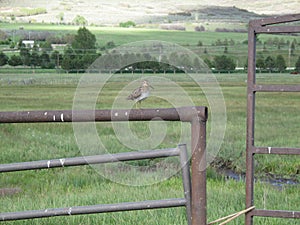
(3, 59)
(224, 63)
(80, 20)
(200, 29)
(127, 24)
(15, 60)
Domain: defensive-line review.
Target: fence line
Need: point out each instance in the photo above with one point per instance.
(104, 208)
(256, 27)
(194, 186)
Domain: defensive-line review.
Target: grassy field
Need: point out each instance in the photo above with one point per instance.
(276, 115)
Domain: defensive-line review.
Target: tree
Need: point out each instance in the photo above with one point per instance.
(15, 60)
(82, 52)
(80, 20)
(292, 48)
(60, 17)
(127, 24)
(297, 65)
(260, 63)
(3, 59)
(164, 63)
(35, 58)
(45, 61)
(25, 55)
(280, 63)
(68, 62)
(224, 63)
(270, 63)
(197, 64)
(57, 58)
(209, 63)
(84, 41)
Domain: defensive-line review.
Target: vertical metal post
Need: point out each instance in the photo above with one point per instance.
(250, 122)
(198, 127)
(186, 180)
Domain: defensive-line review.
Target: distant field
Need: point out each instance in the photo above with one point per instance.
(205, 44)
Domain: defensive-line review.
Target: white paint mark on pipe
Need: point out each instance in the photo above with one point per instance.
(48, 163)
(70, 211)
(269, 149)
(62, 117)
(62, 161)
(53, 117)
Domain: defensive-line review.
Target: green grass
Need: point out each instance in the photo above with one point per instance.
(276, 115)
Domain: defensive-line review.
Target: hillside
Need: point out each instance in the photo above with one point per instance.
(143, 12)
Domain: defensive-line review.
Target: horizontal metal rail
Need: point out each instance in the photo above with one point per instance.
(274, 150)
(86, 160)
(277, 29)
(276, 88)
(184, 114)
(180, 151)
(276, 20)
(104, 208)
(276, 213)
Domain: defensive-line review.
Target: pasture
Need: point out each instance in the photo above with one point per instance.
(276, 125)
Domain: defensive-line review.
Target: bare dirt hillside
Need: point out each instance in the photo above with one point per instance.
(149, 11)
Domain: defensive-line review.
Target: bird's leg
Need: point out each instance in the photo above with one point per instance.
(137, 105)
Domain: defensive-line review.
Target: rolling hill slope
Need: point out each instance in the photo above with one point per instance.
(148, 11)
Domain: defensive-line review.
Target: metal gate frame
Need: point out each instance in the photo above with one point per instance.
(195, 196)
(264, 26)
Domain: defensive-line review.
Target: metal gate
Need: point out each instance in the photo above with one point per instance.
(264, 26)
(195, 193)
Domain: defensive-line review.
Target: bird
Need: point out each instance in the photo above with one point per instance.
(141, 93)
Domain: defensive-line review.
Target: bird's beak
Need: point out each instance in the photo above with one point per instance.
(151, 86)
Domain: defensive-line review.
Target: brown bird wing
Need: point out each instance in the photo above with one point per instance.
(135, 94)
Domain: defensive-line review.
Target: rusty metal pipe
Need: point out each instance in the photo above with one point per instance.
(105, 208)
(87, 160)
(198, 172)
(184, 114)
(186, 180)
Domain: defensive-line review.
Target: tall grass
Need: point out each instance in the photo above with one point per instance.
(84, 186)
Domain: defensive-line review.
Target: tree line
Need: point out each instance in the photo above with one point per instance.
(81, 52)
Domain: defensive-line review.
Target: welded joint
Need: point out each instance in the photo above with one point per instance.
(190, 114)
